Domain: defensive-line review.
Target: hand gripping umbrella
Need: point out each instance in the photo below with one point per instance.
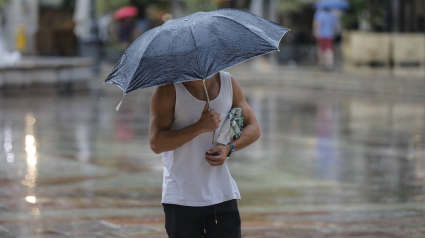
(194, 47)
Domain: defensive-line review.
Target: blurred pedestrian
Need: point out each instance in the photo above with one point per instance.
(125, 31)
(324, 27)
(127, 23)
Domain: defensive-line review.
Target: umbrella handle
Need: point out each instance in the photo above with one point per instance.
(206, 92)
(209, 107)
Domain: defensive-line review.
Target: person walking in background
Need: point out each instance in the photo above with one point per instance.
(125, 31)
(324, 27)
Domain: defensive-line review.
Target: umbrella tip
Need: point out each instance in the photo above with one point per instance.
(119, 104)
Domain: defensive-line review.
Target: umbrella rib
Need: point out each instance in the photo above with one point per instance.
(197, 56)
(225, 17)
(153, 38)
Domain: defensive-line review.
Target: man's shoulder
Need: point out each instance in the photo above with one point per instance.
(167, 87)
(230, 76)
(164, 92)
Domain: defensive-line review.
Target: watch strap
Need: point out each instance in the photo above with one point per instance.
(232, 149)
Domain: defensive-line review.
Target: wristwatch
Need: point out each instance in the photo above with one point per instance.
(232, 150)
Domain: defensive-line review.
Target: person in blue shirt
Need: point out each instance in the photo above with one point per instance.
(324, 27)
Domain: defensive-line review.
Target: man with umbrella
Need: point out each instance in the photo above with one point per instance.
(181, 130)
(185, 58)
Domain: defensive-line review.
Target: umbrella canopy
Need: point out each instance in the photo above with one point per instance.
(340, 4)
(194, 47)
(126, 12)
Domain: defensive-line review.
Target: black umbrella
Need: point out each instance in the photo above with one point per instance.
(194, 47)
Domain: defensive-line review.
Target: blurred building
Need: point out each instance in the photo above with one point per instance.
(20, 16)
(46, 25)
(386, 37)
(368, 17)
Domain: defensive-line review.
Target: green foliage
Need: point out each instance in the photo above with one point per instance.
(2, 3)
(358, 7)
(289, 6)
(103, 6)
(200, 5)
(67, 5)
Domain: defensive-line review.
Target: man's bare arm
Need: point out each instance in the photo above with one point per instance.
(162, 116)
(250, 133)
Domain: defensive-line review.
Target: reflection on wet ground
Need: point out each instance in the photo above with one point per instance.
(326, 165)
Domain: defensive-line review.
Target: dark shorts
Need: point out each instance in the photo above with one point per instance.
(325, 44)
(187, 222)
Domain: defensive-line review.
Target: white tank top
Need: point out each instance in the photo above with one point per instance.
(188, 178)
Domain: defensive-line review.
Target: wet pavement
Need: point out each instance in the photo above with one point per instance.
(328, 164)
